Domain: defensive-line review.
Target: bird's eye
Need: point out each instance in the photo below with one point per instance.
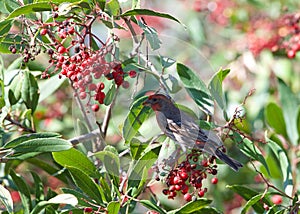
(154, 99)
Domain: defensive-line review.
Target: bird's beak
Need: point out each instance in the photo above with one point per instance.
(147, 103)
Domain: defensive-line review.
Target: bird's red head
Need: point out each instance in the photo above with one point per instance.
(157, 102)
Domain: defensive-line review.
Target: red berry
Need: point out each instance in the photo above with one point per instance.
(71, 30)
(184, 189)
(187, 197)
(201, 193)
(92, 87)
(204, 163)
(177, 187)
(61, 49)
(183, 175)
(165, 191)
(82, 95)
(88, 209)
(44, 31)
(101, 86)
(276, 199)
(266, 207)
(132, 73)
(125, 84)
(291, 54)
(172, 188)
(177, 180)
(214, 180)
(95, 107)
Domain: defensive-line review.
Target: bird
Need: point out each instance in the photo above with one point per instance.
(183, 129)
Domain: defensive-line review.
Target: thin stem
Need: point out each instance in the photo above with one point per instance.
(269, 185)
(107, 116)
(14, 122)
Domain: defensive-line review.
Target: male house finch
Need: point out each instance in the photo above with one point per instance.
(183, 129)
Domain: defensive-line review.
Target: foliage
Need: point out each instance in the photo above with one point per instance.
(68, 68)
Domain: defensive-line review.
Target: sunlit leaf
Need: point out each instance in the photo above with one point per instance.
(216, 89)
(249, 149)
(6, 199)
(30, 91)
(285, 165)
(196, 88)
(86, 184)
(43, 145)
(193, 206)
(113, 207)
(148, 12)
(26, 137)
(138, 113)
(275, 119)
(248, 194)
(75, 158)
(111, 162)
(290, 105)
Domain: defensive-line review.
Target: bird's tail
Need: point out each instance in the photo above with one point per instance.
(234, 164)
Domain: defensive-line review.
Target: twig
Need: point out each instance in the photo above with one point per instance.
(86, 137)
(14, 122)
(269, 185)
(108, 114)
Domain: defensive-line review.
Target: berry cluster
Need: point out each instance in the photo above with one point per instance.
(218, 11)
(283, 35)
(190, 173)
(70, 45)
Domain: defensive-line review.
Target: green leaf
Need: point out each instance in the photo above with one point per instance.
(247, 194)
(251, 203)
(215, 87)
(6, 199)
(113, 207)
(58, 199)
(51, 170)
(43, 145)
(136, 148)
(290, 105)
(148, 12)
(166, 61)
(86, 184)
(151, 35)
(5, 26)
(111, 162)
(136, 116)
(45, 90)
(285, 165)
(26, 137)
(152, 206)
(15, 89)
(193, 206)
(8, 40)
(23, 189)
(29, 9)
(145, 162)
(30, 91)
(11, 5)
(275, 119)
(2, 94)
(249, 149)
(196, 88)
(82, 199)
(113, 7)
(75, 158)
(39, 187)
(101, 4)
(110, 94)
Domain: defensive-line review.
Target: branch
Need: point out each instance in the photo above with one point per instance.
(14, 122)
